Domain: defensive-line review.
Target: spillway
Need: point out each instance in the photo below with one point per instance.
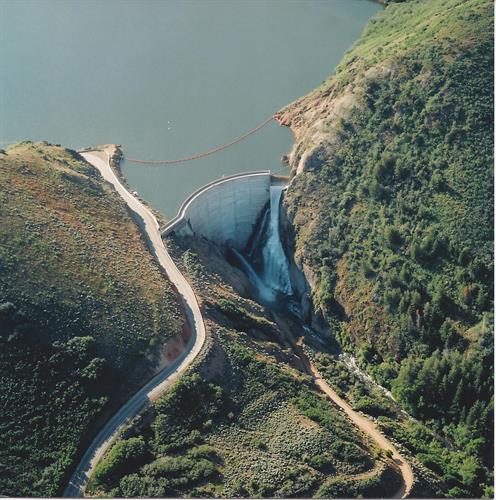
(265, 293)
(264, 260)
(241, 213)
(275, 262)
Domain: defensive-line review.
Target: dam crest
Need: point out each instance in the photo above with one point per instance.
(226, 210)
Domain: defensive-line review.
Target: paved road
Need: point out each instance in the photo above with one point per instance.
(156, 386)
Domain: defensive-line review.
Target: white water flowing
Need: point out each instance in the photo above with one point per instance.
(259, 235)
(276, 270)
(264, 261)
(265, 293)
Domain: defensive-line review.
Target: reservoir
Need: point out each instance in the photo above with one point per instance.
(167, 79)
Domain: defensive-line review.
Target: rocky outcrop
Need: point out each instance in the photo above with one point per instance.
(303, 279)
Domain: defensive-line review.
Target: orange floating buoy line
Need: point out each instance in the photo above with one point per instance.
(205, 153)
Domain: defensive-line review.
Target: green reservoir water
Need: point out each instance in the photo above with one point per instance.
(167, 79)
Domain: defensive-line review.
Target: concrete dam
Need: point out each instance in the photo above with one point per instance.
(227, 209)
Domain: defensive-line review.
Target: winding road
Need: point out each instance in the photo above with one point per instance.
(367, 426)
(163, 380)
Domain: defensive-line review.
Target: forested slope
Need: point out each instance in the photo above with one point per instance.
(392, 207)
(245, 421)
(83, 308)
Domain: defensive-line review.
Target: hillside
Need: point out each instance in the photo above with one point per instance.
(389, 217)
(84, 310)
(246, 421)
(391, 205)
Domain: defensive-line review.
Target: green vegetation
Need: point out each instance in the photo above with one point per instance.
(393, 215)
(254, 431)
(125, 455)
(460, 470)
(448, 457)
(366, 487)
(81, 305)
(243, 423)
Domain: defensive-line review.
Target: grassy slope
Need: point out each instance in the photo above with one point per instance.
(82, 304)
(392, 210)
(244, 422)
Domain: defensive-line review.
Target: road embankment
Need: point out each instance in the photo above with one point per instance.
(170, 374)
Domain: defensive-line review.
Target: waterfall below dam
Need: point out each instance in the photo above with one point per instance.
(257, 241)
(265, 294)
(265, 262)
(276, 269)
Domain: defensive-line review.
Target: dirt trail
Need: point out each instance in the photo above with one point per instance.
(369, 428)
(362, 422)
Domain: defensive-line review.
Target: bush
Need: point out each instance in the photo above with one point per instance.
(393, 237)
(122, 457)
(372, 407)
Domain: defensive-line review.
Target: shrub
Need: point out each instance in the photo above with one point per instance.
(393, 237)
(122, 457)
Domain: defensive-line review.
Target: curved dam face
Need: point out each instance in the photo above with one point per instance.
(225, 210)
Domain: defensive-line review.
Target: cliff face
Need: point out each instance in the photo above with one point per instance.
(391, 205)
(83, 308)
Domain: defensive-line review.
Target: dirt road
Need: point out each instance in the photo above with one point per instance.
(155, 387)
